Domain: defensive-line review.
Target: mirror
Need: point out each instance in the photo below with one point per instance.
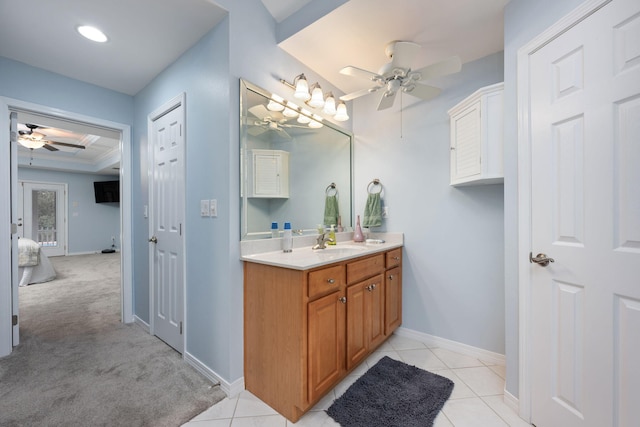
(288, 169)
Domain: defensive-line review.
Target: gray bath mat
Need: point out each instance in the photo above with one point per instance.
(392, 394)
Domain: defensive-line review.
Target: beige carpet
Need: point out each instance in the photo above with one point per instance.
(78, 365)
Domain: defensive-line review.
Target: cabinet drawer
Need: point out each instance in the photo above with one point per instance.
(325, 280)
(359, 270)
(394, 257)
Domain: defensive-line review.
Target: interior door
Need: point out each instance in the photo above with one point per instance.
(44, 210)
(167, 218)
(16, 225)
(585, 154)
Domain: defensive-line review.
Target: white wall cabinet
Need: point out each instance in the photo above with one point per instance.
(268, 174)
(477, 138)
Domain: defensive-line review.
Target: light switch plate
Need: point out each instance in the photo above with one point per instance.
(213, 208)
(204, 208)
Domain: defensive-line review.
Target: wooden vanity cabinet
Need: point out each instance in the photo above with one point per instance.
(305, 330)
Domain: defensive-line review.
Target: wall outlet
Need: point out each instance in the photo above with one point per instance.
(204, 208)
(213, 208)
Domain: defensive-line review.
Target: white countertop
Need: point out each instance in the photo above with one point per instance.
(303, 257)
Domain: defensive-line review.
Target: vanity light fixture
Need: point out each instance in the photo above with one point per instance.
(315, 98)
(276, 103)
(92, 33)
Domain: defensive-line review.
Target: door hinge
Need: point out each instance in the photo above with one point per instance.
(14, 319)
(180, 328)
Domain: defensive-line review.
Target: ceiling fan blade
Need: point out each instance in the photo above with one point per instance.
(256, 129)
(359, 93)
(442, 68)
(386, 101)
(65, 144)
(359, 72)
(403, 54)
(260, 111)
(50, 147)
(423, 91)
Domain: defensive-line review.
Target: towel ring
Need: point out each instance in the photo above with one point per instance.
(372, 185)
(331, 186)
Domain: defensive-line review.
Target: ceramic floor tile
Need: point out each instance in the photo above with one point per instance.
(403, 343)
(456, 360)
(472, 412)
(460, 389)
(499, 369)
(482, 380)
(314, 419)
(325, 402)
(377, 355)
(442, 421)
(209, 423)
(262, 421)
(422, 358)
(344, 385)
(221, 410)
(505, 412)
(250, 406)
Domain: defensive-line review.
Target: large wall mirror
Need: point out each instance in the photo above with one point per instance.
(291, 167)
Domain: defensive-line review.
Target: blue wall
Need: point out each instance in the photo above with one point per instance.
(90, 225)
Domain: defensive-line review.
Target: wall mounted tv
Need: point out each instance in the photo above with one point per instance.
(107, 191)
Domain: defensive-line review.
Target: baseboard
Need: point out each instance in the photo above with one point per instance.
(230, 389)
(511, 401)
(144, 325)
(458, 347)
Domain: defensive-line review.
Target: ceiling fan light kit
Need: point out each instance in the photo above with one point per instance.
(31, 139)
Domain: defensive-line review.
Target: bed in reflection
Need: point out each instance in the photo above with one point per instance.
(33, 264)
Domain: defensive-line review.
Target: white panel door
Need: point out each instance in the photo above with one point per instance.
(16, 222)
(44, 211)
(167, 218)
(585, 142)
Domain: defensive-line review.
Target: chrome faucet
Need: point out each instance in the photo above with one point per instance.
(321, 240)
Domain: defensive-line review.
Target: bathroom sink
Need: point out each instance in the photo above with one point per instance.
(338, 251)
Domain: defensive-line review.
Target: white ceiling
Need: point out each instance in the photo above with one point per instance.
(145, 36)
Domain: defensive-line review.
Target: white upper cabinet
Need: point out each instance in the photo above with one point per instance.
(476, 138)
(268, 174)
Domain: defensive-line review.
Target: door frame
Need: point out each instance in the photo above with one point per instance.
(65, 201)
(175, 102)
(569, 21)
(126, 220)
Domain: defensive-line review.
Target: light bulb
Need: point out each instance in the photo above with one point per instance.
(317, 98)
(341, 112)
(92, 33)
(329, 105)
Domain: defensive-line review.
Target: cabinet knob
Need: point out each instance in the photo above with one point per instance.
(371, 287)
(396, 258)
(343, 300)
(390, 277)
(332, 281)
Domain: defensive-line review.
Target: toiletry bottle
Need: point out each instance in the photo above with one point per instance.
(287, 238)
(340, 227)
(357, 234)
(332, 235)
(274, 230)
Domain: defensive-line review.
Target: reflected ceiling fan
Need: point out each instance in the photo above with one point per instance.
(270, 121)
(397, 75)
(32, 139)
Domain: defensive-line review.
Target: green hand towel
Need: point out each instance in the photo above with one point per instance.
(331, 210)
(372, 211)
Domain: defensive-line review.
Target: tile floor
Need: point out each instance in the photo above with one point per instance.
(476, 400)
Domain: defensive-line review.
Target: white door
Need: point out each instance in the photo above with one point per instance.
(16, 225)
(167, 219)
(585, 164)
(44, 216)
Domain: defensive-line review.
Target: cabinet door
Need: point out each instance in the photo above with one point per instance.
(365, 318)
(393, 300)
(466, 143)
(326, 319)
(376, 315)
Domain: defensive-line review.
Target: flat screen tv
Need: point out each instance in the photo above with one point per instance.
(107, 191)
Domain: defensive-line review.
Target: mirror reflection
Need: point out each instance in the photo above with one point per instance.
(293, 168)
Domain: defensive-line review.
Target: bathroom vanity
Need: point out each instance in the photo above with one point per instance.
(310, 317)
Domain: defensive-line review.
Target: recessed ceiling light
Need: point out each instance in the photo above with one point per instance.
(92, 33)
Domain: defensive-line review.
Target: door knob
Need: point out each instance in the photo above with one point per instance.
(540, 259)
(153, 239)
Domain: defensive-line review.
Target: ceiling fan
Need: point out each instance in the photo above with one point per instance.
(32, 139)
(397, 75)
(270, 121)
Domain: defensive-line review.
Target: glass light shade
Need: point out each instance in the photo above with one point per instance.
(341, 112)
(302, 88)
(315, 123)
(317, 97)
(302, 118)
(31, 143)
(276, 103)
(329, 105)
(92, 33)
(291, 110)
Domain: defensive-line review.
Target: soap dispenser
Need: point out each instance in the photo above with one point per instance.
(287, 238)
(332, 235)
